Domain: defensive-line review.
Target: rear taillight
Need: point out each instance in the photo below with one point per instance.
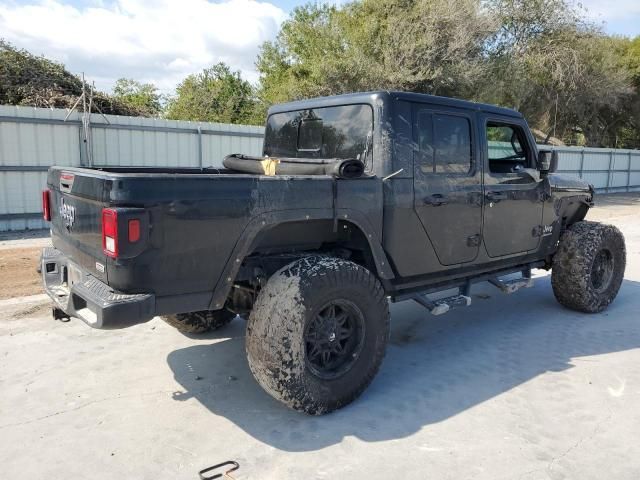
(134, 230)
(110, 232)
(46, 205)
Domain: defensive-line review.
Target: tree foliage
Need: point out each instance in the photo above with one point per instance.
(558, 69)
(542, 57)
(143, 97)
(428, 46)
(628, 123)
(539, 56)
(27, 79)
(217, 94)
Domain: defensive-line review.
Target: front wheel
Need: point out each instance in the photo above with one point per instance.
(588, 267)
(317, 333)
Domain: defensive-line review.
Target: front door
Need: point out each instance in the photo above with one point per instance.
(513, 189)
(447, 183)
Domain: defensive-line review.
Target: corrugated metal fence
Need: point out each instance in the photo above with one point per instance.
(32, 139)
(609, 170)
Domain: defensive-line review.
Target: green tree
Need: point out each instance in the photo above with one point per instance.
(143, 97)
(31, 80)
(631, 56)
(432, 46)
(627, 132)
(542, 57)
(560, 70)
(217, 94)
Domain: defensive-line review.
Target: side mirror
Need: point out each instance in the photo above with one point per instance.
(547, 161)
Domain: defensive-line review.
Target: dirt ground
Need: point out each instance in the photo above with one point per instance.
(18, 275)
(19, 257)
(512, 387)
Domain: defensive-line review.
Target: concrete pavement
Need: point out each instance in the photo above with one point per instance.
(514, 386)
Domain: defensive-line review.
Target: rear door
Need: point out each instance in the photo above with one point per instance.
(513, 188)
(447, 182)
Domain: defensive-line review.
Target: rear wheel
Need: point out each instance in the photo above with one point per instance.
(317, 333)
(588, 267)
(200, 322)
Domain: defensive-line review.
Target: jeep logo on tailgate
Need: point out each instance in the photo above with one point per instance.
(67, 213)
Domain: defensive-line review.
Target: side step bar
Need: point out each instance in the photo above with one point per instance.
(443, 305)
(510, 286)
(463, 298)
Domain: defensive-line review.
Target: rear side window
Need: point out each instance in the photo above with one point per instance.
(329, 132)
(444, 142)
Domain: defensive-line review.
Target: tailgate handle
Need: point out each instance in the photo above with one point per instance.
(66, 186)
(66, 181)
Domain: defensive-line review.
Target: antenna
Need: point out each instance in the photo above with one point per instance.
(87, 106)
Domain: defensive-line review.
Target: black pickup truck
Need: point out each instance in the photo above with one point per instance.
(358, 200)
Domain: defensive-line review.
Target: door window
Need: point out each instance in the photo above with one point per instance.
(506, 148)
(444, 142)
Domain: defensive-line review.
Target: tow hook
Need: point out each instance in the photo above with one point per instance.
(59, 314)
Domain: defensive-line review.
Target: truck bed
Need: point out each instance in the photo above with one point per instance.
(191, 221)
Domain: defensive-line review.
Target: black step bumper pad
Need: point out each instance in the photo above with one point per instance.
(83, 296)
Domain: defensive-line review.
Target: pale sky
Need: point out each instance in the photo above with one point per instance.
(162, 41)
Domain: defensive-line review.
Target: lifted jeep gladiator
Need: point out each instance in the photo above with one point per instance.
(358, 200)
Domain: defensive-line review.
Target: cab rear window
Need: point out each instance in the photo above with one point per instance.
(328, 132)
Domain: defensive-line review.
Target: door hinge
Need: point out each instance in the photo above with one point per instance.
(474, 240)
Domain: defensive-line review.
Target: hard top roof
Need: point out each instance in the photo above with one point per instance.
(373, 97)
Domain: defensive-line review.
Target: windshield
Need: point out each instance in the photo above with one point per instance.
(329, 132)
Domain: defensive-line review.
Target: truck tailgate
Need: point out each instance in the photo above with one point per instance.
(76, 209)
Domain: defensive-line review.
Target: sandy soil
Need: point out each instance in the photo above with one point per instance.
(18, 275)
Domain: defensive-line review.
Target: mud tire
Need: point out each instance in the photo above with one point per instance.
(200, 322)
(576, 277)
(276, 344)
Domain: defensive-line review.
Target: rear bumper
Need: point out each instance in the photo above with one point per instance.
(83, 296)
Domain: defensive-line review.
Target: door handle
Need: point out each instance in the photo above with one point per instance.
(436, 200)
(496, 196)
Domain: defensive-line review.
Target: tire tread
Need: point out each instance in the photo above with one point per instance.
(280, 378)
(571, 268)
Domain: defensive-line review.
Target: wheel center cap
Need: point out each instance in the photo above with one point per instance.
(332, 336)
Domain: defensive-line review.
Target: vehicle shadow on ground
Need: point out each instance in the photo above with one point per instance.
(435, 367)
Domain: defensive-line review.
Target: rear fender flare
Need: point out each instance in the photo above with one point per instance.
(272, 219)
